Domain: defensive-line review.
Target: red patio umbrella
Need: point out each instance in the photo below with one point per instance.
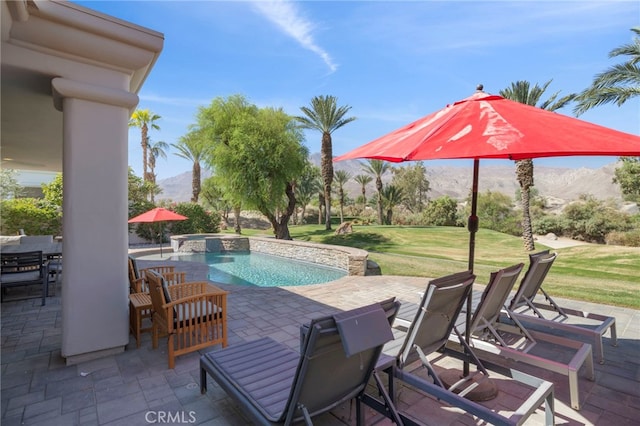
(158, 214)
(490, 126)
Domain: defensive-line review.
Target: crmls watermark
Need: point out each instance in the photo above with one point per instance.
(170, 417)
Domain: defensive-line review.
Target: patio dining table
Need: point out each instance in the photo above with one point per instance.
(47, 249)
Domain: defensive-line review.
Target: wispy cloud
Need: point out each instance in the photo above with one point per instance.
(288, 18)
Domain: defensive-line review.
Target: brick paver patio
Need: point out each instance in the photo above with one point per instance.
(136, 387)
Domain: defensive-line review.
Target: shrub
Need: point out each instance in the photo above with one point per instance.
(441, 212)
(199, 220)
(591, 220)
(630, 238)
(35, 216)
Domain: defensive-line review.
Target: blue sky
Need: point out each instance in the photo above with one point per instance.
(392, 62)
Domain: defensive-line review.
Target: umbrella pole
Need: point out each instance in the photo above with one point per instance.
(473, 228)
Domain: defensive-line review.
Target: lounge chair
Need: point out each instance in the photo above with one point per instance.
(500, 338)
(524, 307)
(193, 315)
(429, 331)
(275, 384)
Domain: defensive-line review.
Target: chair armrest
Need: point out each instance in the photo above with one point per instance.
(137, 285)
(180, 291)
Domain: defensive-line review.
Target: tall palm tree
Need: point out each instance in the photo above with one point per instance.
(192, 147)
(377, 168)
(618, 83)
(144, 120)
(156, 150)
(521, 91)
(363, 180)
(325, 116)
(341, 178)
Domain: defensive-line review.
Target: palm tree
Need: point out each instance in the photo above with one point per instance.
(341, 177)
(326, 117)
(156, 150)
(521, 91)
(377, 168)
(363, 180)
(391, 197)
(144, 119)
(618, 83)
(192, 147)
(307, 186)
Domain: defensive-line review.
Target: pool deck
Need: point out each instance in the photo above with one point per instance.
(132, 387)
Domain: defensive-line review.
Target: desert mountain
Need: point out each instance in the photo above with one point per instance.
(558, 185)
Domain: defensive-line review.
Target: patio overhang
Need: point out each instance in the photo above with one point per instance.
(69, 83)
(43, 40)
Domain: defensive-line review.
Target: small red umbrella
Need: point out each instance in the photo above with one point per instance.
(158, 214)
(490, 126)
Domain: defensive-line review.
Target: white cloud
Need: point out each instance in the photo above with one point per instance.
(289, 19)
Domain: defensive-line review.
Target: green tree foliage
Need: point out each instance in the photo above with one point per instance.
(308, 185)
(495, 211)
(391, 197)
(194, 147)
(325, 116)
(441, 212)
(412, 181)
(144, 119)
(213, 197)
(257, 154)
(628, 177)
(377, 168)
(340, 179)
(618, 83)
(35, 216)
(156, 150)
(363, 180)
(591, 220)
(9, 186)
(199, 220)
(53, 191)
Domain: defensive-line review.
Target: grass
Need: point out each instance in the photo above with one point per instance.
(595, 273)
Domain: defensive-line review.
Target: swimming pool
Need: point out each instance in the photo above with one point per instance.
(262, 270)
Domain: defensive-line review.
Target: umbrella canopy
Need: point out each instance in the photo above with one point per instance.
(490, 126)
(158, 214)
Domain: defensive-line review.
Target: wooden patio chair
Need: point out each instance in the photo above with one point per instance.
(140, 307)
(193, 315)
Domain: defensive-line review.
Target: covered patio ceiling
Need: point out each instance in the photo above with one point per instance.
(31, 126)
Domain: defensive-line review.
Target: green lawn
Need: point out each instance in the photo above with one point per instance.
(594, 273)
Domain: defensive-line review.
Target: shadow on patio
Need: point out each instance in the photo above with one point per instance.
(136, 387)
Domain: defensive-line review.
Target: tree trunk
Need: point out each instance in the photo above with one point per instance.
(527, 232)
(145, 145)
(236, 212)
(389, 216)
(341, 205)
(326, 160)
(195, 182)
(320, 206)
(364, 198)
(280, 223)
(380, 209)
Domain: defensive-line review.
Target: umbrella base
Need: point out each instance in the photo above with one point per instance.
(485, 389)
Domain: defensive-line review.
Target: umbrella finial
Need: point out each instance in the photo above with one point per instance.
(479, 87)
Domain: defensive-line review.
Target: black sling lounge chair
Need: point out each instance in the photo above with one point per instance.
(550, 315)
(275, 384)
(430, 330)
(500, 338)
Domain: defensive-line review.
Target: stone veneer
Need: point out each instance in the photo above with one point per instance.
(349, 259)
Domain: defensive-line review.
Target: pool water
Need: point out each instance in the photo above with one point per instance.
(262, 270)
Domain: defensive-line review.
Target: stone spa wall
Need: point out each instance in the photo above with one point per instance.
(351, 260)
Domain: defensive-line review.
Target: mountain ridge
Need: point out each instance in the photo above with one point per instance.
(558, 185)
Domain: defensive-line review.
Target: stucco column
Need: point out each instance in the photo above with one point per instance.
(95, 244)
